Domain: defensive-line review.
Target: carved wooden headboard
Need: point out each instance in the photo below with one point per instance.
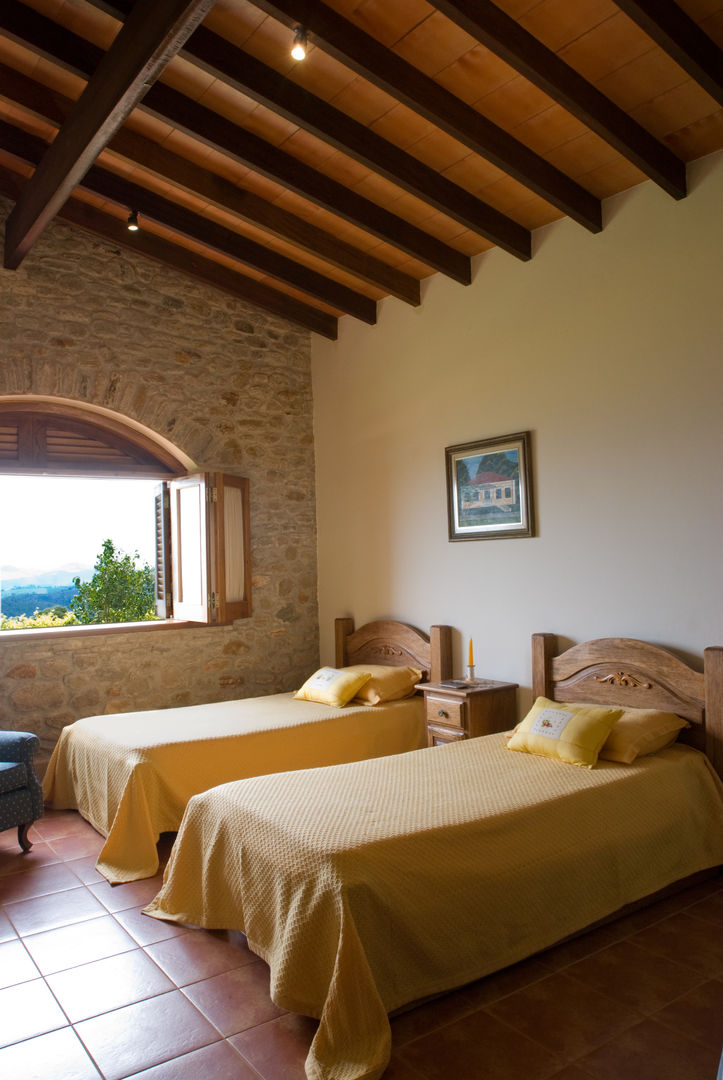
(635, 674)
(396, 643)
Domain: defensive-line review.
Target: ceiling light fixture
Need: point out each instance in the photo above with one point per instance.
(133, 225)
(298, 50)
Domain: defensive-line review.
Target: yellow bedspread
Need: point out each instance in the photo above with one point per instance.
(132, 774)
(374, 884)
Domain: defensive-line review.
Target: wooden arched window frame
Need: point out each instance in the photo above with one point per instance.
(203, 572)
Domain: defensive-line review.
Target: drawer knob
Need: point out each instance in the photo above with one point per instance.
(441, 712)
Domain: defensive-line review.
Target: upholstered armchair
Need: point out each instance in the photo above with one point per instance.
(21, 795)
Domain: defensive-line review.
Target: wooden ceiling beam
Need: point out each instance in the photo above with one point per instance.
(262, 84)
(495, 29)
(367, 57)
(680, 37)
(270, 88)
(37, 32)
(142, 48)
(243, 146)
(187, 262)
(190, 177)
(216, 237)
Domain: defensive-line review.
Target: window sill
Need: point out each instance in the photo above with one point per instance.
(61, 632)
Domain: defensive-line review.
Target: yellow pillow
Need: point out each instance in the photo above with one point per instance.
(572, 733)
(332, 686)
(386, 683)
(639, 732)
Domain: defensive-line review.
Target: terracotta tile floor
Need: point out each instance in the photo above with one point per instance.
(90, 987)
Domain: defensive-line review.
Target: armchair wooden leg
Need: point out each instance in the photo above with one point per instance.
(23, 840)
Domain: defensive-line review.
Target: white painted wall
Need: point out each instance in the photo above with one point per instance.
(609, 349)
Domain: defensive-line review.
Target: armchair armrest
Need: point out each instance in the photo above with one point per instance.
(18, 746)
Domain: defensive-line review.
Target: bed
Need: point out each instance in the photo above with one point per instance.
(131, 774)
(370, 885)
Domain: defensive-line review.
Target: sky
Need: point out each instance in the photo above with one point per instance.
(48, 522)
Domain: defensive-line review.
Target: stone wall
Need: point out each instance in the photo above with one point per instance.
(230, 387)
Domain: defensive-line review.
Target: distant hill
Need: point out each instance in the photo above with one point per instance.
(24, 590)
(23, 576)
(25, 600)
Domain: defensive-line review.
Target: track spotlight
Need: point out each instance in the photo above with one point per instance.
(133, 225)
(298, 50)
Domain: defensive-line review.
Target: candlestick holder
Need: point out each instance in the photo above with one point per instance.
(470, 673)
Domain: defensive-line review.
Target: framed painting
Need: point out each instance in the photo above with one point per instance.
(489, 488)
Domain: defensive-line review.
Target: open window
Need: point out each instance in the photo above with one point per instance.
(202, 548)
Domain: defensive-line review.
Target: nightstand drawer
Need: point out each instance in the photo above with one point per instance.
(444, 710)
(443, 736)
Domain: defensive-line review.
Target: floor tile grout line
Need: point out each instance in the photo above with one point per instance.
(630, 933)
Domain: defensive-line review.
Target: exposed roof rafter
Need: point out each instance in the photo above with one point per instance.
(100, 181)
(296, 104)
(676, 33)
(265, 85)
(215, 131)
(518, 48)
(413, 138)
(366, 56)
(140, 52)
(185, 261)
(187, 176)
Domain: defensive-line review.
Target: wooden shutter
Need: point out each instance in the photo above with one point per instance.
(164, 587)
(231, 563)
(63, 441)
(210, 548)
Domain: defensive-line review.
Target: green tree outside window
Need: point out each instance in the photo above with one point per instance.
(119, 591)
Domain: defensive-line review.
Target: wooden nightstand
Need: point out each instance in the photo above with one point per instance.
(464, 712)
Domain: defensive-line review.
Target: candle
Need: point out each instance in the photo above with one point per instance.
(471, 654)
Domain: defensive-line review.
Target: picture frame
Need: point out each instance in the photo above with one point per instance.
(489, 488)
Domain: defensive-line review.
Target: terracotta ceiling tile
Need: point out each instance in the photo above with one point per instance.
(187, 78)
(87, 21)
(516, 9)
(228, 102)
(698, 139)
(550, 128)
(271, 43)
(642, 79)
(514, 103)
(609, 179)
(27, 121)
(234, 20)
(439, 150)
(678, 108)
(344, 169)
(415, 268)
(556, 23)
(451, 232)
(700, 9)
(268, 125)
(402, 126)
(262, 186)
(475, 74)
(150, 126)
(474, 173)
(606, 48)
(306, 147)
(386, 21)
(714, 28)
(434, 44)
(320, 74)
(579, 156)
(363, 101)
